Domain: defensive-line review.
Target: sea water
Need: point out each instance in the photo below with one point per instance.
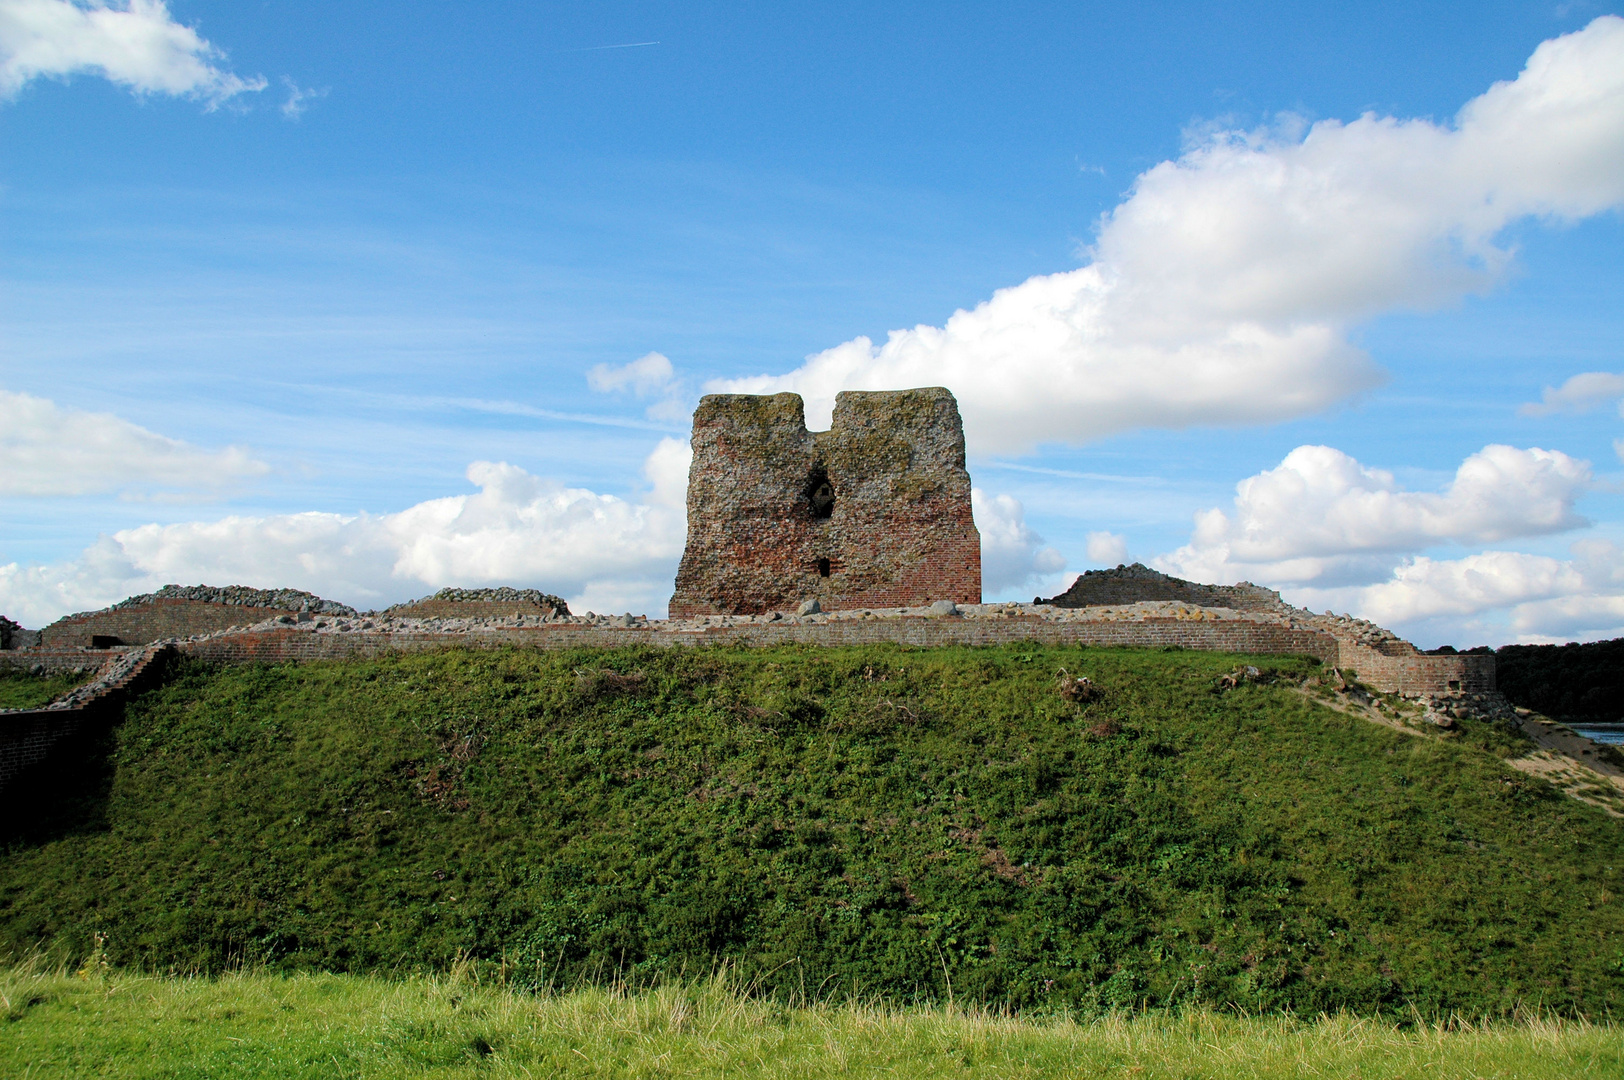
(1610, 734)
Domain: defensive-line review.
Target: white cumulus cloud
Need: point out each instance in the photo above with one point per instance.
(135, 44)
(48, 450)
(1012, 554)
(1221, 291)
(1106, 549)
(1321, 517)
(598, 551)
(1493, 597)
(649, 376)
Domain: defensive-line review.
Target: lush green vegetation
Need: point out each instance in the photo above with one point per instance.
(109, 1023)
(22, 690)
(1573, 683)
(827, 822)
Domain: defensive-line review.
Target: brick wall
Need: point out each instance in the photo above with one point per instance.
(1413, 674)
(874, 512)
(28, 735)
(59, 660)
(156, 620)
(1417, 674)
(279, 646)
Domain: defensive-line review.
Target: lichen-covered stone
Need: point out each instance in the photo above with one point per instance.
(874, 512)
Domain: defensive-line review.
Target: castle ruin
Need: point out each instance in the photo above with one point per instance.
(874, 512)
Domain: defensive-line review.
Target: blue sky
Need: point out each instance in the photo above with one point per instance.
(275, 278)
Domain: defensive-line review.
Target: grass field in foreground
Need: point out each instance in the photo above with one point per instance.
(108, 1023)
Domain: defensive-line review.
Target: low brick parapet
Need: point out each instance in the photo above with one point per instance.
(154, 620)
(47, 661)
(1232, 635)
(27, 736)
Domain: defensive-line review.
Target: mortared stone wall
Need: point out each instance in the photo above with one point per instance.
(875, 512)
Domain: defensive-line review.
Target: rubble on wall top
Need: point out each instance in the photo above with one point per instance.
(403, 622)
(14, 636)
(238, 596)
(502, 595)
(1155, 585)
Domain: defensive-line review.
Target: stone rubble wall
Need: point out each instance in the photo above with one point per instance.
(1131, 584)
(241, 596)
(481, 603)
(1379, 657)
(15, 636)
(178, 611)
(899, 529)
(1338, 642)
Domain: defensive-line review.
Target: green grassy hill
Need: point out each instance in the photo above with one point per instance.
(826, 822)
(21, 690)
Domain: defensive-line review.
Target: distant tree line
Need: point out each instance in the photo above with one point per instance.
(1572, 682)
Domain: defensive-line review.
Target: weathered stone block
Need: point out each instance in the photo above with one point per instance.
(874, 512)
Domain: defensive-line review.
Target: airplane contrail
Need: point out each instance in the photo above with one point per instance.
(596, 48)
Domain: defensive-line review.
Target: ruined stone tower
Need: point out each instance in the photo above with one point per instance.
(874, 512)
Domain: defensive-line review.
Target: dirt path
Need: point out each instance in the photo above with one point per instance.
(1563, 757)
(1573, 763)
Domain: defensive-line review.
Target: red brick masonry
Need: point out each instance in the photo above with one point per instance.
(156, 620)
(873, 513)
(27, 735)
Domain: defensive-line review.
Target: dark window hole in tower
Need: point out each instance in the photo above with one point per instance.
(820, 494)
(823, 568)
(1454, 684)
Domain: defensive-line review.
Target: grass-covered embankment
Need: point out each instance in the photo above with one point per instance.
(825, 821)
(269, 1027)
(20, 689)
